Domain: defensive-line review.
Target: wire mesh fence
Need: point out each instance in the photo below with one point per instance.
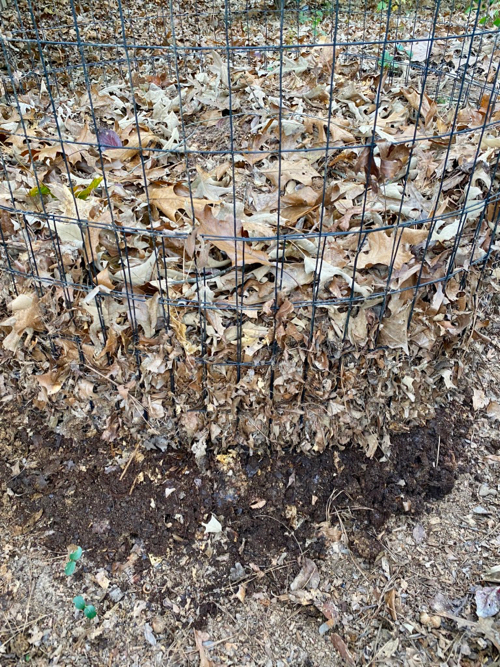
(264, 218)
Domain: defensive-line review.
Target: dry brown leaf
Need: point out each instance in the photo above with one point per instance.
(26, 316)
(341, 647)
(199, 638)
(308, 577)
(104, 278)
(291, 170)
(422, 102)
(138, 274)
(479, 399)
(173, 198)
(358, 328)
(390, 600)
(130, 135)
(73, 152)
(180, 331)
(300, 203)
(52, 381)
(241, 594)
(382, 251)
(392, 158)
(394, 329)
(469, 118)
(421, 50)
(258, 504)
(212, 227)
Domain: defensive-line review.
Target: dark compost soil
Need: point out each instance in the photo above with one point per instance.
(85, 498)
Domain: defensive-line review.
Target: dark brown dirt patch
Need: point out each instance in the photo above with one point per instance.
(267, 506)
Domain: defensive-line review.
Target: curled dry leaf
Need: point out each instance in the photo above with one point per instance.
(26, 316)
(390, 600)
(213, 526)
(199, 638)
(487, 601)
(421, 102)
(308, 577)
(341, 647)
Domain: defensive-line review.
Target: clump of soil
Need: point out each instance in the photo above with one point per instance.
(266, 505)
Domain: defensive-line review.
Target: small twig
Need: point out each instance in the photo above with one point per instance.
(132, 457)
(133, 484)
(248, 580)
(439, 447)
(219, 641)
(333, 496)
(31, 588)
(23, 627)
(249, 637)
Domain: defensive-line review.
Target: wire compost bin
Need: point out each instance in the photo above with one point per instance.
(242, 220)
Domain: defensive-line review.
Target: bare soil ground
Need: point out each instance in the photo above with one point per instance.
(390, 550)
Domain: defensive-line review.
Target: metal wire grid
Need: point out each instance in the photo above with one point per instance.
(87, 42)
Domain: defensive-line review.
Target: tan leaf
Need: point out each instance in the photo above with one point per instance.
(26, 316)
(308, 577)
(421, 50)
(211, 226)
(199, 638)
(104, 278)
(130, 134)
(102, 579)
(340, 134)
(358, 329)
(73, 209)
(381, 252)
(393, 330)
(73, 152)
(139, 274)
(341, 647)
(180, 331)
(258, 504)
(173, 198)
(50, 381)
(76, 153)
(493, 410)
(479, 399)
(241, 594)
(291, 170)
(300, 203)
(422, 102)
(91, 236)
(390, 600)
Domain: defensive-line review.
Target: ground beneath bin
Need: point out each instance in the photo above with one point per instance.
(83, 493)
(387, 552)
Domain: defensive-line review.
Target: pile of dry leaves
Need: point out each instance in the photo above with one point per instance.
(217, 230)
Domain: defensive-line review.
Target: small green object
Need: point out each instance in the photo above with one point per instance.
(39, 190)
(83, 194)
(77, 554)
(70, 568)
(90, 611)
(79, 602)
